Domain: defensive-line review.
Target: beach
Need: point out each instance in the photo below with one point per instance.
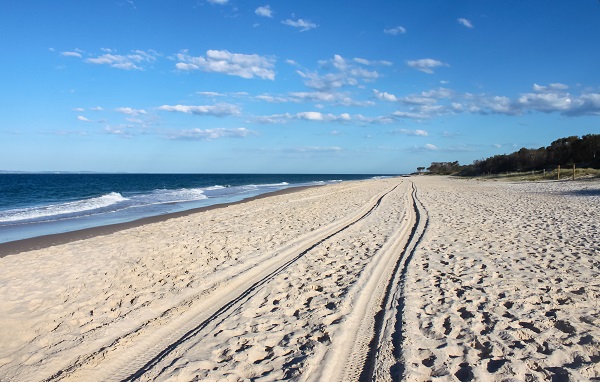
(420, 278)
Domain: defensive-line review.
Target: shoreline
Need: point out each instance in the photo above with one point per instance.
(40, 242)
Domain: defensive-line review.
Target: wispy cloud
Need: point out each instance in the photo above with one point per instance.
(414, 133)
(317, 149)
(71, 54)
(317, 116)
(219, 110)
(130, 111)
(83, 119)
(341, 72)
(426, 65)
(264, 11)
(335, 98)
(303, 25)
(210, 134)
(218, 2)
(135, 60)
(552, 98)
(465, 22)
(233, 64)
(395, 30)
(371, 63)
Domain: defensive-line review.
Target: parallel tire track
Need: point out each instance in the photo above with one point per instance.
(120, 363)
(356, 351)
(388, 323)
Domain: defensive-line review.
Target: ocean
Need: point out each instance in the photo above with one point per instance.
(40, 204)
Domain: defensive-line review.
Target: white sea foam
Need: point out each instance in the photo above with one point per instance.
(257, 186)
(170, 196)
(62, 208)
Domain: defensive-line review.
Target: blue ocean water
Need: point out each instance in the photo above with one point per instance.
(39, 204)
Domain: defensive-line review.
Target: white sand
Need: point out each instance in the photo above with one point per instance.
(503, 283)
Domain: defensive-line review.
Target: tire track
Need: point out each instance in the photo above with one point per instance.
(127, 363)
(385, 353)
(371, 321)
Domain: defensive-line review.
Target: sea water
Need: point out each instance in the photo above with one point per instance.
(39, 204)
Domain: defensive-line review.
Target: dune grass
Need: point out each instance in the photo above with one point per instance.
(565, 174)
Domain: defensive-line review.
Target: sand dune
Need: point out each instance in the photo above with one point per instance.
(420, 278)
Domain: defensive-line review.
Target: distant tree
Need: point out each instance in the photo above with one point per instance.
(420, 169)
(563, 151)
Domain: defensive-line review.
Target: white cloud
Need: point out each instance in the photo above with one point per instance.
(118, 130)
(71, 54)
(132, 61)
(414, 133)
(430, 147)
(331, 97)
(97, 108)
(219, 110)
(465, 23)
(438, 93)
(552, 98)
(316, 116)
(209, 134)
(317, 149)
(82, 118)
(371, 63)
(362, 61)
(274, 119)
(264, 11)
(410, 115)
(416, 100)
(303, 25)
(135, 120)
(210, 94)
(130, 111)
(384, 96)
(395, 30)
(551, 87)
(425, 65)
(80, 109)
(233, 64)
(343, 73)
(218, 2)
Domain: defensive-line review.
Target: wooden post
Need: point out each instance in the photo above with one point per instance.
(558, 174)
(544, 173)
(573, 171)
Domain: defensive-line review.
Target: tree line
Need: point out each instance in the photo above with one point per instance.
(581, 151)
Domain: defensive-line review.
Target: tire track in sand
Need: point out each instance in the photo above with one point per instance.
(158, 338)
(368, 346)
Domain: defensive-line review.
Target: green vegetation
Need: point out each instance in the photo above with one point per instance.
(534, 164)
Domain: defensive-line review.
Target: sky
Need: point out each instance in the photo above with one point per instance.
(294, 86)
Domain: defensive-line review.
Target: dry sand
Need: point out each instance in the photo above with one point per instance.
(426, 278)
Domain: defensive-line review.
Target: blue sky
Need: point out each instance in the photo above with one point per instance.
(291, 86)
